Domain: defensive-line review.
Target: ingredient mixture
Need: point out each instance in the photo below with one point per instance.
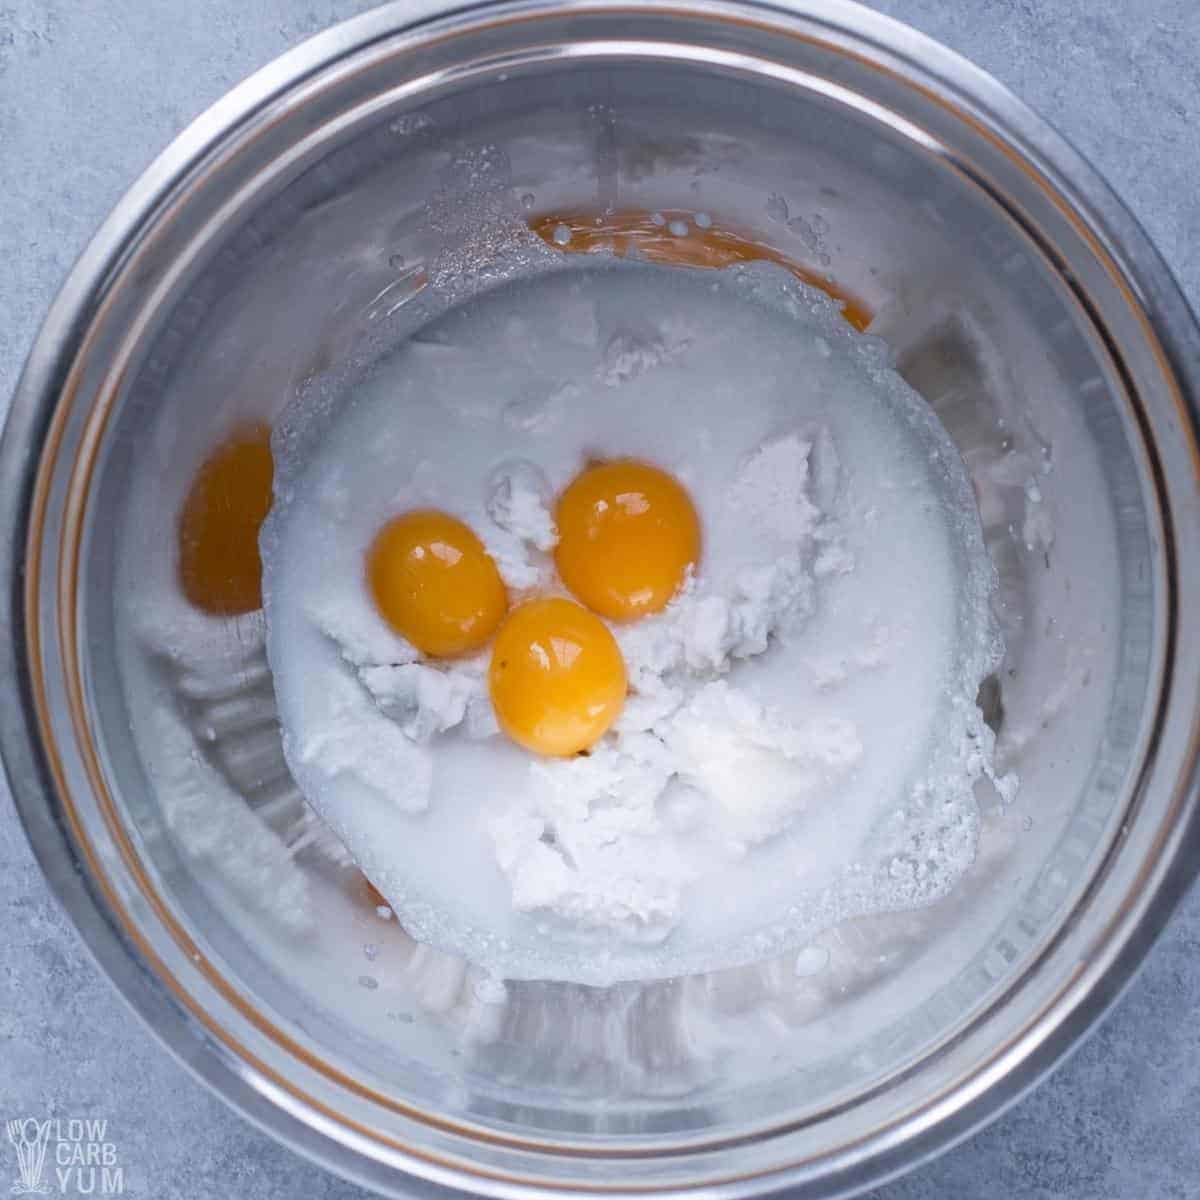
(629, 620)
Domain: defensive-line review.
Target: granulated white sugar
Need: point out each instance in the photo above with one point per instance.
(801, 739)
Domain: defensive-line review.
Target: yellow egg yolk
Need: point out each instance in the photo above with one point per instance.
(219, 566)
(557, 677)
(627, 534)
(435, 584)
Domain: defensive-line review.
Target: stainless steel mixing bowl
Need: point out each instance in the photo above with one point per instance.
(276, 243)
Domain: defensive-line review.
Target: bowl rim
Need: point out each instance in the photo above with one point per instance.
(40, 805)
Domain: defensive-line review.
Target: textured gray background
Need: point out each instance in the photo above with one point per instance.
(90, 90)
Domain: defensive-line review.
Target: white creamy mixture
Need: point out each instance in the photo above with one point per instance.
(801, 740)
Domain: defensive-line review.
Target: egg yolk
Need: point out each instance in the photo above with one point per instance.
(627, 534)
(435, 584)
(219, 566)
(557, 678)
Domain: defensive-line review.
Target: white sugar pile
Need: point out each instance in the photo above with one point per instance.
(801, 740)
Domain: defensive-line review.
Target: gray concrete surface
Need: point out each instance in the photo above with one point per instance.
(90, 90)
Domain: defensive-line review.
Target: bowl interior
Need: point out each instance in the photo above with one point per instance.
(403, 175)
